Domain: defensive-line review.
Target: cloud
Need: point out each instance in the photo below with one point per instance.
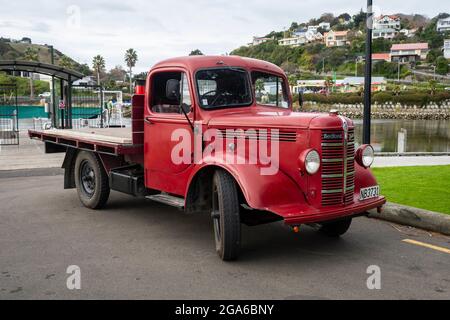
(160, 29)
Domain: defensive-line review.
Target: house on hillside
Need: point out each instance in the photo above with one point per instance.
(447, 49)
(409, 52)
(408, 32)
(293, 41)
(336, 38)
(387, 33)
(300, 32)
(258, 40)
(443, 25)
(325, 26)
(313, 28)
(384, 22)
(378, 57)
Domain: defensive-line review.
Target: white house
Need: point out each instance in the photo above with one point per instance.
(408, 32)
(443, 25)
(447, 49)
(313, 28)
(293, 41)
(259, 40)
(387, 33)
(386, 22)
(325, 26)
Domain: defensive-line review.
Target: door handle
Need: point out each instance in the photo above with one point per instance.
(148, 121)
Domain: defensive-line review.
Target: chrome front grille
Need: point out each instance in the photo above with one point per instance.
(338, 167)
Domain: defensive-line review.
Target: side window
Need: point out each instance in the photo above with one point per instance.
(186, 95)
(170, 92)
(270, 90)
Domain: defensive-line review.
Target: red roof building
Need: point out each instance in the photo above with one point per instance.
(409, 52)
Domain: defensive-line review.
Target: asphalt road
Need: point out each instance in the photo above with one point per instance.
(136, 249)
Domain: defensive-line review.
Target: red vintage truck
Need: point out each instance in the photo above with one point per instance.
(217, 135)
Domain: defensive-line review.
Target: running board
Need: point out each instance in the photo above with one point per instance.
(168, 199)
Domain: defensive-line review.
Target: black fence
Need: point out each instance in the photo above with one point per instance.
(9, 115)
(87, 107)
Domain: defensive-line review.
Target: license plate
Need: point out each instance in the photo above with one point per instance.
(369, 193)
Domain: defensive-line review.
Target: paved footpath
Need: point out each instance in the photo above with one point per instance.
(411, 161)
(30, 154)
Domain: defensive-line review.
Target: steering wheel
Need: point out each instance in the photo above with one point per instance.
(207, 93)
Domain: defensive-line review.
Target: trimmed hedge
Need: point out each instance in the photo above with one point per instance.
(405, 98)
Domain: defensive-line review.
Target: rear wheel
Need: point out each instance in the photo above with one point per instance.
(225, 215)
(91, 180)
(336, 228)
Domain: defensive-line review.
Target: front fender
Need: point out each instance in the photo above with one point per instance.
(261, 191)
(364, 178)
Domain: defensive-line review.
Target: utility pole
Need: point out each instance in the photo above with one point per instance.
(356, 67)
(52, 61)
(368, 75)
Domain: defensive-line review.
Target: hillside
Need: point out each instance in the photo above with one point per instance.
(319, 59)
(12, 50)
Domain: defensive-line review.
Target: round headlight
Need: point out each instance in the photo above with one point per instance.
(365, 156)
(312, 162)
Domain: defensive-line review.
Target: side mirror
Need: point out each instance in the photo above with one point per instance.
(173, 89)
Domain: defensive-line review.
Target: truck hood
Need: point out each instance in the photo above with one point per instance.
(282, 120)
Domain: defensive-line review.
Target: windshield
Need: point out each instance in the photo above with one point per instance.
(223, 87)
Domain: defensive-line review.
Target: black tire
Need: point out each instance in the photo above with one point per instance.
(91, 180)
(336, 228)
(225, 215)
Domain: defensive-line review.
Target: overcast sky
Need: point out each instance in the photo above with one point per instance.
(160, 29)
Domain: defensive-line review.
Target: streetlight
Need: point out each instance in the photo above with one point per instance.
(368, 75)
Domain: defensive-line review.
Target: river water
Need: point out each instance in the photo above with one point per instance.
(421, 135)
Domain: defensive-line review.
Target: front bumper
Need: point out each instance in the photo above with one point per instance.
(306, 214)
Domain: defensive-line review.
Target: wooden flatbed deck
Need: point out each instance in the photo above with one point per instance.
(114, 141)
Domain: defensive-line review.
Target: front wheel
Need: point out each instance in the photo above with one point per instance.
(336, 228)
(91, 180)
(225, 215)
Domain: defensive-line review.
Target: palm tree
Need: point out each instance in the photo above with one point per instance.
(98, 64)
(66, 62)
(31, 54)
(131, 59)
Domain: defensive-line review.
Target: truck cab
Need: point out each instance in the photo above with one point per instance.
(218, 135)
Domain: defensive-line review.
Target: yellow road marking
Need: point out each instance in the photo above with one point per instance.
(427, 245)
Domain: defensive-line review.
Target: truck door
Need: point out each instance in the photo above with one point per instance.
(164, 121)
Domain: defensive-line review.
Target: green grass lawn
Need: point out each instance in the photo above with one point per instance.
(421, 187)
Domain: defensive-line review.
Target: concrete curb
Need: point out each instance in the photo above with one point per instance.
(36, 172)
(414, 217)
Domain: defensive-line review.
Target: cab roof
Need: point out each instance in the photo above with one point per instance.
(194, 63)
